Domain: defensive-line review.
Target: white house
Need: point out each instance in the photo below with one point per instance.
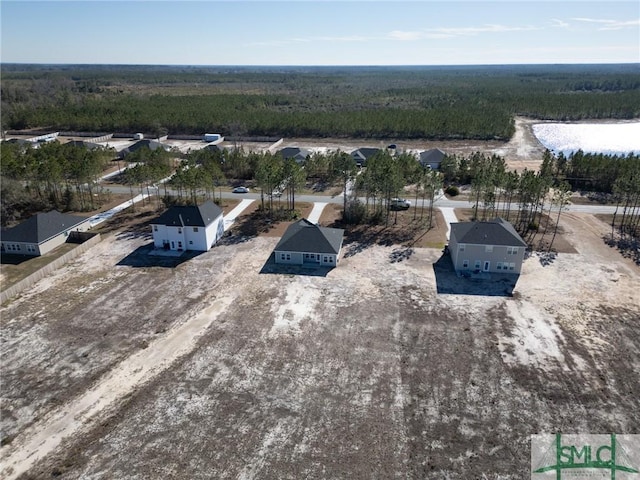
(305, 243)
(42, 233)
(194, 227)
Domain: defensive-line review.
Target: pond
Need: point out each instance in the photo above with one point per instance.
(609, 138)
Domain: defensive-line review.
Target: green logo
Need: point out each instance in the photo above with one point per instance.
(585, 456)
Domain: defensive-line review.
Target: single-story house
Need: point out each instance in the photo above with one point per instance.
(492, 246)
(298, 154)
(42, 233)
(362, 155)
(150, 144)
(192, 227)
(305, 243)
(431, 158)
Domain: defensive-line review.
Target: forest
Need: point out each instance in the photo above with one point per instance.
(473, 102)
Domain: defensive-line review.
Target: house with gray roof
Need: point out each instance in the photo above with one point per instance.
(492, 246)
(42, 233)
(190, 227)
(298, 154)
(305, 243)
(363, 155)
(431, 158)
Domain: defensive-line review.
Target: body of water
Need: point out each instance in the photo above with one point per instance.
(608, 138)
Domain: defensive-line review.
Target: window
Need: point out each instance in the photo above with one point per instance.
(477, 265)
(465, 264)
(326, 260)
(288, 256)
(512, 266)
(282, 256)
(499, 266)
(195, 229)
(190, 242)
(488, 248)
(18, 246)
(512, 250)
(155, 228)
(461, 248)
(179, 231)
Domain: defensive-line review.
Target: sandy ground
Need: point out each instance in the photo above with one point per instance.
(117, 368)
(211, 367)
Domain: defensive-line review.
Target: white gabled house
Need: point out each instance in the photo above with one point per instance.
(194, 227)
(305, 243)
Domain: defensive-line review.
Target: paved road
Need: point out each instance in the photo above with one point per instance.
(440, 202)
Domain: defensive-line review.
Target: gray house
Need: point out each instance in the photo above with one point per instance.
(42, 233)
(492, 246)
(363, 155)
(305, 243)
(431, 158)
(298, 154)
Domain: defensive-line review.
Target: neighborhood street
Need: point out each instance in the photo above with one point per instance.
(440, 202)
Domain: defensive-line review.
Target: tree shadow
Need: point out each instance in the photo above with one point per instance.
(486, 284)
(271, 267)
(144, 257)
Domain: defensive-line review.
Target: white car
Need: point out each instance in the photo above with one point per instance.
(240, 190)
(399, 204)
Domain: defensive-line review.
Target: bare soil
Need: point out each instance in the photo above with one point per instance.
(212, 369)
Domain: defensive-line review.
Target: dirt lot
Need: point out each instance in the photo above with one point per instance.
(122, 368)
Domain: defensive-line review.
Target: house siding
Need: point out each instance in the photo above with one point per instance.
(297, 258)
(185, 238)
(475, 253)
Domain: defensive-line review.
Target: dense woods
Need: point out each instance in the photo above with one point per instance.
(398, 102)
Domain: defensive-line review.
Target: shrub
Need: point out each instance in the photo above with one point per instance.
(452, 191)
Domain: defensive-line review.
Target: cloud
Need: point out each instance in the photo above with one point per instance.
(555, 22)
(450, 32)
(609, 24)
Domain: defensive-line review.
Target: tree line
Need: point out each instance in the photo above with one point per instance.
(433, 103)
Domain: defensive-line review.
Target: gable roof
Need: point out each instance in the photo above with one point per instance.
(435, 155)
(294, 152)
(41, 227)
(493, 232)
(365, 153)
(189, 215)
(307, 237)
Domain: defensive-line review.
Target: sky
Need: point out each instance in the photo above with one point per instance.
(320, 32)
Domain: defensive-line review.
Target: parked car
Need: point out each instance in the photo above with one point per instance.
(240, 190)
(276, 193)
(399, 204)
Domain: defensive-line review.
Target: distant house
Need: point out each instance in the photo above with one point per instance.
(196, 227)
(305, 243)
(431, 158)
(492, 246)
(42, 233)
(146, 143)
(363, 155)
(298, 154)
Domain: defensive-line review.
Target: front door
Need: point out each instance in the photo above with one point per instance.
(487, 264)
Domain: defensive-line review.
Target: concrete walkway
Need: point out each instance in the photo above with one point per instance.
(449, 217)
(230, 217)
(101, 217)
(316, 212)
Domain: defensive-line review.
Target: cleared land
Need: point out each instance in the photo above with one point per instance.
(212, 369)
